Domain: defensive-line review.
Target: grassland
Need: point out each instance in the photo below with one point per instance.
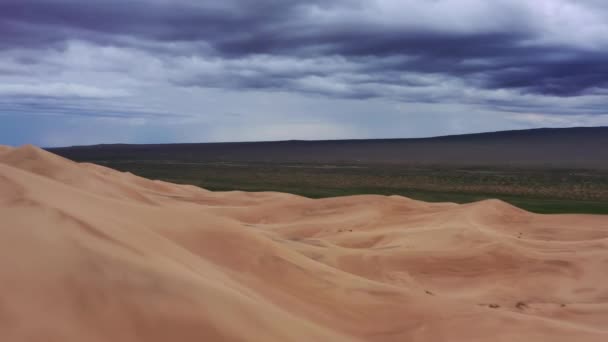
(534, 189)
(542, 170)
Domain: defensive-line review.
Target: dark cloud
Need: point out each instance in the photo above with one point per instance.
(374, 56)
(573, 75)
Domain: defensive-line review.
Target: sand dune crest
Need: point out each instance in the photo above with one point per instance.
(92, 254)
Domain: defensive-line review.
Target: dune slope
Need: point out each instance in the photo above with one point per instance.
(91, 254)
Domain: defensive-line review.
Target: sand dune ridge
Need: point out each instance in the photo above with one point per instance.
(93, 254)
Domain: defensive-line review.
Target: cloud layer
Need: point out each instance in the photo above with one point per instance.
(204, 61)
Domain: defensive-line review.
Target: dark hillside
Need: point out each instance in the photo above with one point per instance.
(572, 148)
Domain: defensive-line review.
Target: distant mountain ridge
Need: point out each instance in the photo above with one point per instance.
(578, 147)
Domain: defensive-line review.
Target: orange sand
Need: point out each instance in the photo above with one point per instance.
(91, 254)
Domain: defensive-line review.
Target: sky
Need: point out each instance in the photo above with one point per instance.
(76, 72)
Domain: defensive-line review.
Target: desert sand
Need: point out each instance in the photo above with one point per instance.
(92, 254)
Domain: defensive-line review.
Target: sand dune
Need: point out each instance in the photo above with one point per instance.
(91, 254)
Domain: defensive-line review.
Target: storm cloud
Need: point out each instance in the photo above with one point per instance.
(141, 59)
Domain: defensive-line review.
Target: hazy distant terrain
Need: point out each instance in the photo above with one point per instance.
(543, 170)
(559, 148)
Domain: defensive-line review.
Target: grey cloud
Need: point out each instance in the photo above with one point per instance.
(409, 51)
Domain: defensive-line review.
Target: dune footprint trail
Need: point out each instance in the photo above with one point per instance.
(92, 254)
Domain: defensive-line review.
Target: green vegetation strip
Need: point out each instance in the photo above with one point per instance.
(540, 191)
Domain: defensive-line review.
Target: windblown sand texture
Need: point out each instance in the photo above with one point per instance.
(92, 254)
